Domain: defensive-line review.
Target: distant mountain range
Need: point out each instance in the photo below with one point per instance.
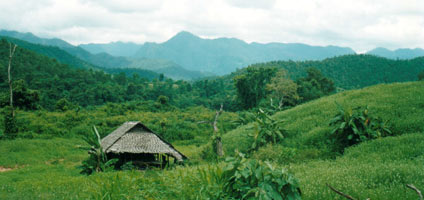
(80, 57)
(187, 56)
(398, 53)
(225, 55)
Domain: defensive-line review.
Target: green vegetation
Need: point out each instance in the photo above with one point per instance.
(251, 85)
(267, 130)
(98, 161)
(367, 143)
(252, 179)
(376, 169)
(355, 71)
(353, 126)
(41, 82)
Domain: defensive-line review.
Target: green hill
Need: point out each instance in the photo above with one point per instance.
(52, 52)
(54, 80)
(377, 169)
(402, 104)
(356, 71)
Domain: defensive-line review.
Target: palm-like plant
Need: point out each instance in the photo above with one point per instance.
(353, 126)
(267, 130)
(97, 161)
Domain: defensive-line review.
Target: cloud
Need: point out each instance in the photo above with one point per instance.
(361, 24)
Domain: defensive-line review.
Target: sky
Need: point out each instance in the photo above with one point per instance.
(359, 24)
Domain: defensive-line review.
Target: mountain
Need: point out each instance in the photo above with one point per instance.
(125, 49)
(398, 53)
(225, 55)
(51, 52)
(102, 60)
(29, 37)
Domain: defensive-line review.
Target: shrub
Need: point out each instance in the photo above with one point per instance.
(97, 162)
(10, 125)
(252, 179)
(352, 126)
(267, 130)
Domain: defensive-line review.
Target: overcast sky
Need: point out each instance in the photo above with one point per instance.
(360, 24)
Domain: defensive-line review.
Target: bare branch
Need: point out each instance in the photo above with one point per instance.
(341, 193)
(412, 187)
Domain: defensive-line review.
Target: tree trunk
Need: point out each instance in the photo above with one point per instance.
(218, 141)
(219, 150)
(11, 52)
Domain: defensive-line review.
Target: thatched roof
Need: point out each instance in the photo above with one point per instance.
(134, 137)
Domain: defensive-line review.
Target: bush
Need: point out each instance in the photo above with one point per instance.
(10, 125)
(252, 179)
(97, 162)
(353, 126)
(267, 130)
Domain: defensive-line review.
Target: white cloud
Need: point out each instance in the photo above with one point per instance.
(360, 24)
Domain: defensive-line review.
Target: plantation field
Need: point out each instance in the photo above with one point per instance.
(46, 167)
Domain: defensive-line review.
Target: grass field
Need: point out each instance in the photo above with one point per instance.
(378, 169)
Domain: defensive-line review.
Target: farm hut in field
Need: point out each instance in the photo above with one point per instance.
(134, 142)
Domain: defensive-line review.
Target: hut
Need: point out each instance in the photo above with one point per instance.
(134, 142)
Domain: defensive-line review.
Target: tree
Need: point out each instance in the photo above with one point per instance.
(283, 89)
(23, 97)
(314, 85)
(10, 127)
(11, 53)
(251, 85)
(421, 76)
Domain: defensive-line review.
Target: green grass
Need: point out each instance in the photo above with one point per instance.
(378, 169)
(307, 125)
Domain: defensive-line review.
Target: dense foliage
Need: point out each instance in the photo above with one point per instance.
(355, 71)
(251, 85)
(267, 130)
(252, 179)
(97, 161)
(42, 81)
(45, 168)
(352, 126)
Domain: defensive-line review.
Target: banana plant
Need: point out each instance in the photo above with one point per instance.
(267, 130)
(97, 160)
(352, 126)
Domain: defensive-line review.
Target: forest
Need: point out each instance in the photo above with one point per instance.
(349, 124)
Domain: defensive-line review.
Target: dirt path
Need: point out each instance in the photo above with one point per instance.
(5, 169)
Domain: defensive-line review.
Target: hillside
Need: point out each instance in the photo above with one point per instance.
(101, 56)
(126, 49)
(355, 71)
(307, 148)
(52, 52)
(224, 55)
(401, 104)
(53, 80)
(378, 169)
(398, 53)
